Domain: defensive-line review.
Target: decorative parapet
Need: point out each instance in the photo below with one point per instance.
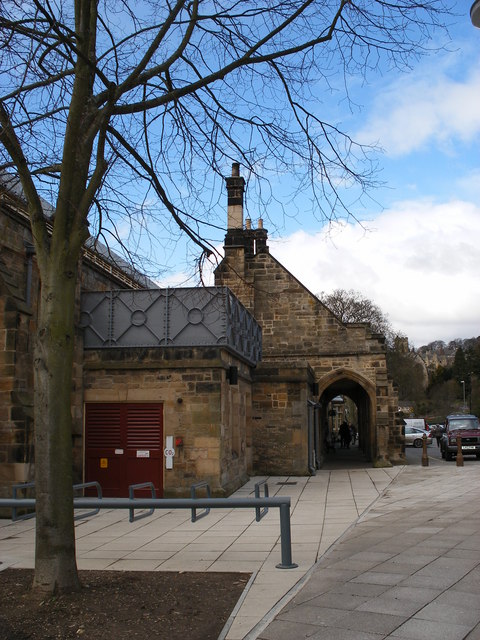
(193, 317)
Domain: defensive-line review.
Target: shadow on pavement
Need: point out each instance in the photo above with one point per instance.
(345, 459)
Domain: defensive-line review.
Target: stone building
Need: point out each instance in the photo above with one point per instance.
(309, 358)
(154, 370)
(238, 379)
(176, 374)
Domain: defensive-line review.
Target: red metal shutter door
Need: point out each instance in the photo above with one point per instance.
(124, 446)
(144, 438)
(105, 448)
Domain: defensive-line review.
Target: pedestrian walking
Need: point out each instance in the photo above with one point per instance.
(344, 436)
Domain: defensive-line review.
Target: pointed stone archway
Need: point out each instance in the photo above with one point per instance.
(361, 391)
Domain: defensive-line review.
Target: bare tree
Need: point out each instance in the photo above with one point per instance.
(113, 110)
(352, 306)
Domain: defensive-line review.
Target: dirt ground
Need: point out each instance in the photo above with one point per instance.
(116, 605)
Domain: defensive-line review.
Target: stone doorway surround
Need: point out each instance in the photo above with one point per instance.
(362, 392)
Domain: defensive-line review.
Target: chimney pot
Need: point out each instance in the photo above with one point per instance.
(235, 169)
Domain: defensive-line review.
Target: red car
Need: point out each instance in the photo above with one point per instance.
(466, 427)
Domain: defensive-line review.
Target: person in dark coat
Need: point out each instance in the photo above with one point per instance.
(344, 436)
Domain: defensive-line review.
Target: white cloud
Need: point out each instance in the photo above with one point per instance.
(423, 107)
(420, 262)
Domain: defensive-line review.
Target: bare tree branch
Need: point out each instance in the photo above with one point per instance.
(160, 191)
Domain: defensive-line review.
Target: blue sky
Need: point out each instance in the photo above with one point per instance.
(416, 253)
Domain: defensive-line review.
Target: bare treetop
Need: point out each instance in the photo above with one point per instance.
(172, 93)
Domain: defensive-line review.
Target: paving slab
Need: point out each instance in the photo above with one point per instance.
(416, 629)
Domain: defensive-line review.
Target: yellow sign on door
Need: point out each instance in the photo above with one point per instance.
(103, 463)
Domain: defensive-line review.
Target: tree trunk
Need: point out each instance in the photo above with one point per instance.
(55, 562)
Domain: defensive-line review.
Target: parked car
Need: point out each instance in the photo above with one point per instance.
(414, 436)
(466, 427)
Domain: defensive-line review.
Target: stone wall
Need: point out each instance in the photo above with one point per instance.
(16, 401)
(280, 420)
(212, 416)
(18, 299)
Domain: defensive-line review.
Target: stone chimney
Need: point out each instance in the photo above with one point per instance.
(239, 237)
(242, 243)
(235, 191)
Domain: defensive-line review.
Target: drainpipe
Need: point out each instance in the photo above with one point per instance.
(311, 425)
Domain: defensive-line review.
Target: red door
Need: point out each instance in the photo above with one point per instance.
(124, 446)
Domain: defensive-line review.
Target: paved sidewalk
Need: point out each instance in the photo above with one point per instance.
(382, 553)
(323, 508)
(409, 569)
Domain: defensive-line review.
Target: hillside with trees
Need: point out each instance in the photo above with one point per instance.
(455, 384)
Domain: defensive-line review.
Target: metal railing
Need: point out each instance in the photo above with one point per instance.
(282, 503)
(15, 489)
(131, 493)
(193, 495)
(259, 514)
(76, 487)
(86, 485)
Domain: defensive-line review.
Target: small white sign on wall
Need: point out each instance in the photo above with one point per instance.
(143, 454)
(169, 452)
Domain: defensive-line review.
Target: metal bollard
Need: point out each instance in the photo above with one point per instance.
(459, 452)
(285, 539)
(424, 451)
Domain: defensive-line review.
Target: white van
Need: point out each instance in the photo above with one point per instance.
(418, 423)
